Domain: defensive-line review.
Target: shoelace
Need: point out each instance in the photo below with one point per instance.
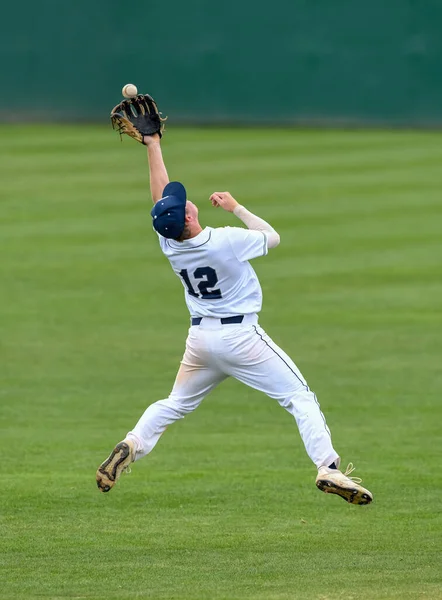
(350, 468)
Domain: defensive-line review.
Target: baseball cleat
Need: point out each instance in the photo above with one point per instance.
(109, 472)
(333, 481)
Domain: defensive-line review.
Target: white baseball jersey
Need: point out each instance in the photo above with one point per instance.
(214, 269)
(219, 282)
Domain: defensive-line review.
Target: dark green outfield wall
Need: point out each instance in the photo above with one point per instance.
(289, 60)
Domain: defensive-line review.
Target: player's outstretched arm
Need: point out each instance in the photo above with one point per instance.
(227, 202)
(158, 173)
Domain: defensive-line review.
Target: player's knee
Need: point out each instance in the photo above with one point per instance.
(182, 406)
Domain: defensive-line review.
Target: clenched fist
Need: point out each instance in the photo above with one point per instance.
(225, 200)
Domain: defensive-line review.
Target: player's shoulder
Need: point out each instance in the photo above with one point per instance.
(228, 231)
(234, 234)
(204, 239)
(227, 235)
(219, 232)
(208, 237)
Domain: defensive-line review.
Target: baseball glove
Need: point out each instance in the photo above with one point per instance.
(137, 117)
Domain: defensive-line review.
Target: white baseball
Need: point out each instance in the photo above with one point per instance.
(129, 90)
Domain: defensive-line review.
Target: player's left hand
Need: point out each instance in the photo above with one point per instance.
(225, 200)
(138, 117)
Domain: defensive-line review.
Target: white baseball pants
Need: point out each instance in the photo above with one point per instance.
(244, 351)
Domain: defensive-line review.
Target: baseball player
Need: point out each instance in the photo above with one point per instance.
(224, 298)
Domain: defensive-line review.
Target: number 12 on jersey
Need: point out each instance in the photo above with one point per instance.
(210, 279)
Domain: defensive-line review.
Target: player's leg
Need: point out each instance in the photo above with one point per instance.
(261, 364)
(193, 382)
(191, 386)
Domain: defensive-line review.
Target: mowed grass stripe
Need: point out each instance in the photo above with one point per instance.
(317, 158)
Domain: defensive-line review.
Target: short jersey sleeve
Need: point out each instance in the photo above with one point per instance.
(247, 243)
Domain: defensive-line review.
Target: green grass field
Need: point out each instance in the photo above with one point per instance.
(93, 325)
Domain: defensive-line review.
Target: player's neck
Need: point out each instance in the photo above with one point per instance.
(190, 232)
(195, 230)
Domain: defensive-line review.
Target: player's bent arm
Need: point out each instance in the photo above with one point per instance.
(228, 202)
(158, 172)
(258, 224)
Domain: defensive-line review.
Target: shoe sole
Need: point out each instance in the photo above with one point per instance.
(109, 472)
(352, 495)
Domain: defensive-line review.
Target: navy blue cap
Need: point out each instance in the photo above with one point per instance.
(169, 213)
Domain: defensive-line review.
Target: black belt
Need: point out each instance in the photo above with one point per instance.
(224, 321)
